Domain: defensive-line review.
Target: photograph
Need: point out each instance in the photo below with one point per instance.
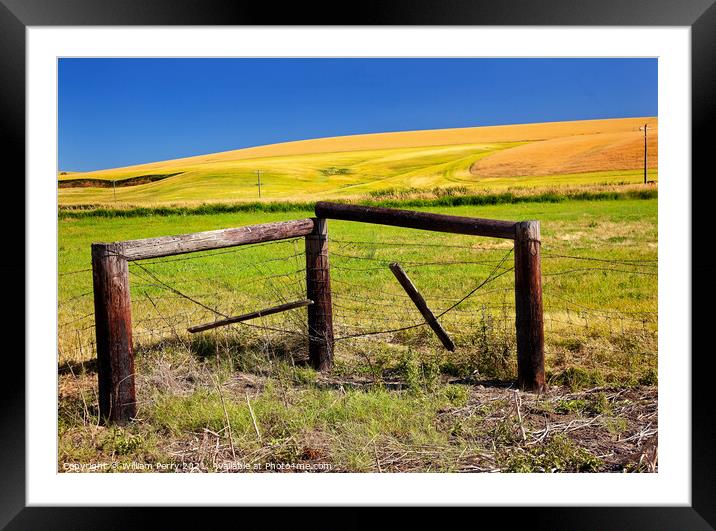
(358, 264)
(423, 258)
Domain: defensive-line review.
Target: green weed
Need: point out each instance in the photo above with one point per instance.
(558, 455)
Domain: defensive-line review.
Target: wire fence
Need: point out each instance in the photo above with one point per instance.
(468, 287)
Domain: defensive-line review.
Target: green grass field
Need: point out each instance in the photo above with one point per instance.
(390, 395)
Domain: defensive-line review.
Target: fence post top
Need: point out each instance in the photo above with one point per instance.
(320, 227)
(527, 230)
(102, 249)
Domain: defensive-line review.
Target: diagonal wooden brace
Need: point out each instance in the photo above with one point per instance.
(422, 306)
(252, 315)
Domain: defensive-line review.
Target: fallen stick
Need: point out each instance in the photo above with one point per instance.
(248, 316)
(422, 306)
(518, 402)
(253, 419)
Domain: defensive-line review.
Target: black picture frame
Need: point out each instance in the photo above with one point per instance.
(16, 15)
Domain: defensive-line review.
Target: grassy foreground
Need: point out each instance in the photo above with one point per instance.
(242, 399)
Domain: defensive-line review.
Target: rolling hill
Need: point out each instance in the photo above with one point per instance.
(554, 153)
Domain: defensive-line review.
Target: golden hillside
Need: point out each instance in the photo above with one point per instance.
(575, 153)
(382, 141)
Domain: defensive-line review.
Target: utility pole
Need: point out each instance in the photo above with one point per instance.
(114, 190)
(258, 177)
(646, 152)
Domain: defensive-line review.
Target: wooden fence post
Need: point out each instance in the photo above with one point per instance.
(113, 325)
(318, 287)
(528, 307)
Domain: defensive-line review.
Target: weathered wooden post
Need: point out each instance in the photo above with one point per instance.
(318, 287)
(113, 324)
(528, 308)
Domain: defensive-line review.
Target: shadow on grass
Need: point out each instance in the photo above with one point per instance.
(488, 383)
(261, 355)
(241, 348)
(77, 367)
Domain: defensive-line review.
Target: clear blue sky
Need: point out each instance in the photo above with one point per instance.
(117, 112)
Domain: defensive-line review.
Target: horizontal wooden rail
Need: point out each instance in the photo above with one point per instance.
(252, 315)
(417, 220)
(214, 239)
